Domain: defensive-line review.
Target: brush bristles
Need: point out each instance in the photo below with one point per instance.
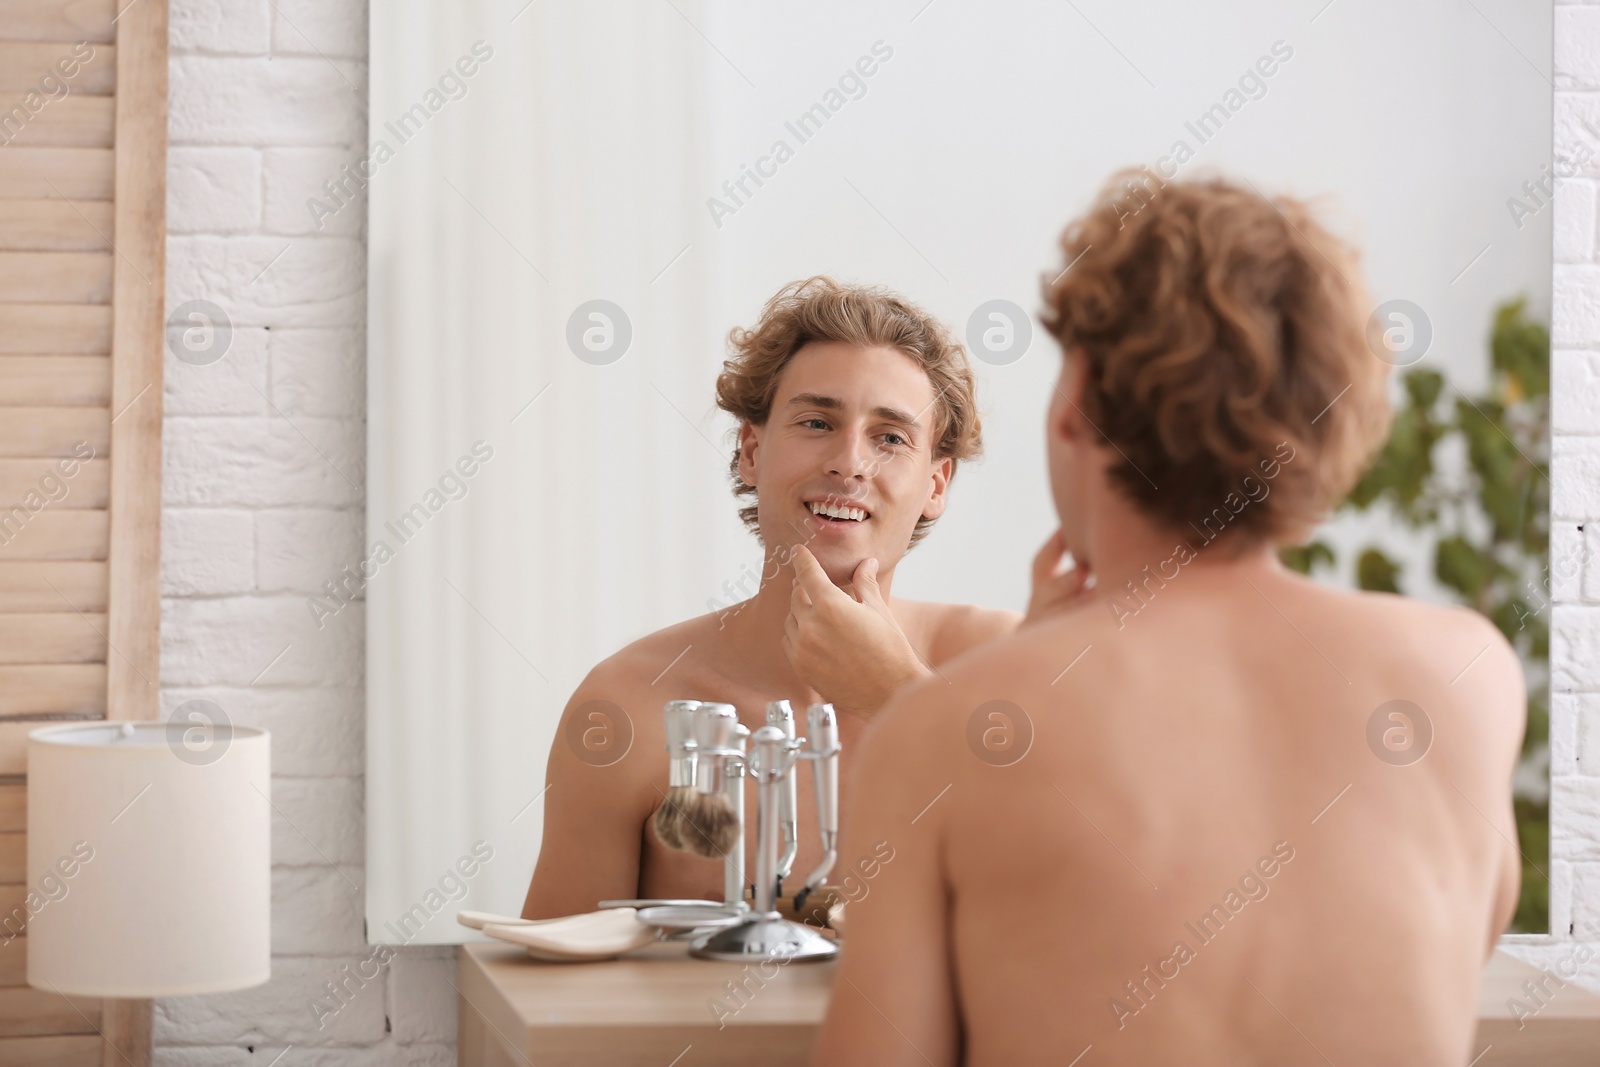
(669, 816)
(700, 823)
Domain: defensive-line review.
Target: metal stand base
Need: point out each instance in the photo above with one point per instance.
(764, 937)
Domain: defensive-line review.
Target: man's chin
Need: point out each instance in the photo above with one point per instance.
(839, 566)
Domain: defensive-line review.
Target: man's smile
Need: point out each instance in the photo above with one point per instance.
(832, 511)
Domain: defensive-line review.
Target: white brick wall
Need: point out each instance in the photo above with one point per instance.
(265, 452)
(1575, 506)
(264, 462)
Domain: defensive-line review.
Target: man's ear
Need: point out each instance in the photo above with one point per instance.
(1066, 414)
(749, 444)
(939, 493)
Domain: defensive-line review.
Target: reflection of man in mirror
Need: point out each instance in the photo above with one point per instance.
(1257, 819)
(854, 409)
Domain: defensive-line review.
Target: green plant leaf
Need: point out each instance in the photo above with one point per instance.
(1521, 352)
(1303, 558)
(1459, 564)
(1377, 573)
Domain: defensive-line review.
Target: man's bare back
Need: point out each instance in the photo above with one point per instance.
(1205, 786)
(602, 847)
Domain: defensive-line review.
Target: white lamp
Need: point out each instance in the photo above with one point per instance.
(149, 859)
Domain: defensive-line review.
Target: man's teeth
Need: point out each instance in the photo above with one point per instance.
(838, 511)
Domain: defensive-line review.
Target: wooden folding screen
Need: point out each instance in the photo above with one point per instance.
(83, 135)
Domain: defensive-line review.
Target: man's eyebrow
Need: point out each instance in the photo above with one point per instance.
(895, 415)
(831, 403)
(816, 400)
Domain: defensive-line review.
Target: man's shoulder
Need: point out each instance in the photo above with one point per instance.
(1447, 631)
(1012, 662)
(954, 629)
(657, 649)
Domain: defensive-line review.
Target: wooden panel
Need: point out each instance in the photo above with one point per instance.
(54, 535)
(54, 431)
(55, 225)
(12, 895)
(64, 1051)
(74, 173)
(136, 362)
(66, 328)
(71, 122)
(25, 1011)
(55, 381)
(59, 20)
(13, 965)
(54, 637)
(52, 586)
(85, 489)
(13, 858)
(55, 277)
(13, 814)
(74, 689)
(23, 63)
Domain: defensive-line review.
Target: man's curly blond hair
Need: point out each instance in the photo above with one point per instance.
(1217, 324)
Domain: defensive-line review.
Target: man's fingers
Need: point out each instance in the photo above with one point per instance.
(791, 631)
(806, 567)
(864, 582)
(799, 597)
(1071, 582)
(809, 576)
(1048, 559)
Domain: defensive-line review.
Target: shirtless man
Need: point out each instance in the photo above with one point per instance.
(850, 401)
(1200, 829)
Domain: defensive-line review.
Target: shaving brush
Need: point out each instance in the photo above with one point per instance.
(706, 821)
(679, 717)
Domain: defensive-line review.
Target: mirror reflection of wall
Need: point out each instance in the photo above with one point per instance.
(570, 206)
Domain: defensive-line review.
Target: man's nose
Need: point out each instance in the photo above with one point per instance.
(853, 457)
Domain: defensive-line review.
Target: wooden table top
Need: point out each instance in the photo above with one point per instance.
(659, 1003)
(632, 1010)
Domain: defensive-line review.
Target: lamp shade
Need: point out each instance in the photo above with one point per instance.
(149, 859)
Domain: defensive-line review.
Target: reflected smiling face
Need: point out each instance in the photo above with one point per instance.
(845, 463)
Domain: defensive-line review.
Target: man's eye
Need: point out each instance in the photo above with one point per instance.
(893, 439)
(815, 424)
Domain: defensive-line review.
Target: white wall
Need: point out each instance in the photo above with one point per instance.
(263, 486)
(263, 448)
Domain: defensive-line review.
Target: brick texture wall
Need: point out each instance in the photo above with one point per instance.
(265, 463)
(1575, 500)
(264, 474)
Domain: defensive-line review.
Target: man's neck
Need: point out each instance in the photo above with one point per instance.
(1126, 550)
(755, 627)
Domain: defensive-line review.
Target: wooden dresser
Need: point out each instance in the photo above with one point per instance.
(653, 1009)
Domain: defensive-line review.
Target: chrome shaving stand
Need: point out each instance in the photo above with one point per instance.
(764, 934)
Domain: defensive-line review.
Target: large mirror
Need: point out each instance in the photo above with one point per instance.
(571, 205)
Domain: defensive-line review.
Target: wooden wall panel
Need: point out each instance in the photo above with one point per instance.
(55, 277)
(59, 225)
(61, 20)
(22, 61)
(82, 276)
(57, 432)
(54, 381)
(55, 535)
(28, 329)
(47, 586)
(74, 1051)
(70, 174)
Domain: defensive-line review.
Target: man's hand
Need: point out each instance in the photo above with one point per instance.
(1054, 589)
(846, 648)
